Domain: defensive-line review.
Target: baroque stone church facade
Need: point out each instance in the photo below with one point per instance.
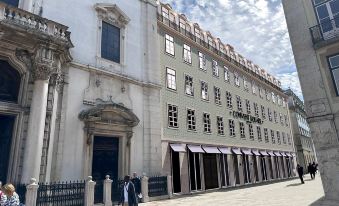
(81, 99)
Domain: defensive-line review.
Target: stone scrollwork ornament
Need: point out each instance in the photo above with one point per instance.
(43, 65)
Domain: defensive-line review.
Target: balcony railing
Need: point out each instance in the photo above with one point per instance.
(325, 31)
(208, 46)
(13, 16)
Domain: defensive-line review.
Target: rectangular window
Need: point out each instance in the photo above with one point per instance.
(226, 74)
(256, 109)
(283, 137)
(217, 95)
(171, 79)
(189, 85)
(246, 88)
(278, 137)
(248, 106)
(334, 68)
(215, 68)
(286, 120)
(110, 42)
(187, 54)
(169, 45)
(220, 123)
(254, 90)
(191, 123)
(281, 119)
(204, 90)
(229, 100)
(202, 61)
(239, 103)
(207, 123)
(288, 139)
(263, 113)
(14, 3)
(273, 97)
(272, 137)
(172, 116)
(231, 127)
(266, 135)
(261, 92)
(242, 130)
(269, 114)
(275, 117)
(267, 95)
(236, 80)
(259, 133)
(250, 130)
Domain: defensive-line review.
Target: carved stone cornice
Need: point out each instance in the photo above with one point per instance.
(112, 14)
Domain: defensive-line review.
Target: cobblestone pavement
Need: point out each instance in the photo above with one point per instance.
(288, 193)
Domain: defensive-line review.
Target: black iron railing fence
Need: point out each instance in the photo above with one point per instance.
(157, 186)
(99, 191)
(20, 189)
(207, 45)
(117, 186)
(61, 194)
(325, 30)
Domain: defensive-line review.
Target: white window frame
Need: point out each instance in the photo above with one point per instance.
(239, 103)
(191, 120)
(187, 54)
(169, 45)
(236, 79)
(266, 135)
(171, 79)
(259, 134)
(256, 109)
(278, 137)
(242, 130)
(207, 122)
(189, 89)
(231, 127)
(220, 123)
(204, 90)
(246, 87)
(217, 95)
(174, 122)
(263, 112)
(254, 90)
(272, 136)
(229, 100)
(248, 106)
(226, 74)
(202, 61)
(215, 68)
(250, 130)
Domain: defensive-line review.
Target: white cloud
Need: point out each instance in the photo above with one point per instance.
(256, 28)
(291, 80)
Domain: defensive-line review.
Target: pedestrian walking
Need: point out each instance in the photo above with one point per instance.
(128, 196)
(137, 184)
(300, 170)
(314, 169)
(310, 170)
(12, 198)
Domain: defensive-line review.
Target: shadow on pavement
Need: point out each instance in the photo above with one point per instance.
(295, 184)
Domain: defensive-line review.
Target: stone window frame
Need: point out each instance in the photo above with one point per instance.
(266, 135)
(217, 95)
(229, 102)
(261, 92)
(281, 119)
(206, 119)
(269, 112)
(112, 14)
(263, 112)
(275, 115)
(286, 120)
(204, 90)
(236, 79)
(221, 127)
(256, 109)
(278, 137)
(283, 137)
(251, 131)
(231, 127)
(239, 103)
(272, 136)
(259, 134)
(187, 54)
(191, 119)
(254, 90)
(242, 130)
(169, 82)
(215, 68)
(174, 123)
(273, 98)
(226, 74)
(189, 86)
(248, 106)
(169, 45)
(246, 87)
(202, 61)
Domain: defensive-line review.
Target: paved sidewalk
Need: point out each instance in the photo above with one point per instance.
(288, 193)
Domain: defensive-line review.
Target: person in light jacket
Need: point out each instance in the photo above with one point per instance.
(128, 196)
(12, 196)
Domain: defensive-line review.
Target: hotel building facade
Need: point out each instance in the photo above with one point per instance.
(313, 29)
(225, 120)
(303, 141)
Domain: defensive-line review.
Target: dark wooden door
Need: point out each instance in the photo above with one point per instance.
(6, 132)
(211, 171)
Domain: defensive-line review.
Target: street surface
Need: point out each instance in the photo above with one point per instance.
(288, 193)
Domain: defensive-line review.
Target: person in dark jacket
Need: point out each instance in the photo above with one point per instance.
(300, 170)
(310, 170)
(314, 170)
(137, 184)
(128, 196)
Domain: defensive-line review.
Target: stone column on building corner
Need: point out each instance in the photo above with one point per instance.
(43, 66)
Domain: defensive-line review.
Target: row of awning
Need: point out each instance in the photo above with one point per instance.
(228, 150)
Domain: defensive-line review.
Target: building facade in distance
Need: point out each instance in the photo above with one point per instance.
(301, 131)
(313, 29)
(225, 120)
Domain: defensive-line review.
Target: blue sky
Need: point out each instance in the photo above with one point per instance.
(255, 28)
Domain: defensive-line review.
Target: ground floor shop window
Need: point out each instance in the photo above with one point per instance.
(270, 167)
(211, 171)
(289, 169)
(263, 167)
(236, 169)
(277, 166)
(224, 170)
(246, 166)
(176, 172)
(195, 172)
(255, 166)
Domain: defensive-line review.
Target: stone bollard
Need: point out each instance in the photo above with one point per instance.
(144, 189)
(107, 191)
(89, 191)
(169, 186)
(31, 193)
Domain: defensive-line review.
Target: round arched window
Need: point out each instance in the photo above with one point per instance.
(9, 82)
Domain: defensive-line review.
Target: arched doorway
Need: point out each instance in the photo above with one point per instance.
(10, 81)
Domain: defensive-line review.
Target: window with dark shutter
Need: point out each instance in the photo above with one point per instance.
(110, 42)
